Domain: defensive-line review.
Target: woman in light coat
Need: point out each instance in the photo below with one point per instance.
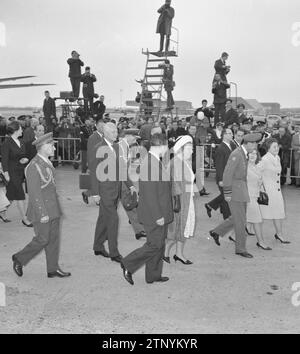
(271, 171)
(183, 177)
(254, 184)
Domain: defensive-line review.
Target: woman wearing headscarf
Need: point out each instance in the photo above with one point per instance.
(183, 177)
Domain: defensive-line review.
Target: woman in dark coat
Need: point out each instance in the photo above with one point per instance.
(13, 163)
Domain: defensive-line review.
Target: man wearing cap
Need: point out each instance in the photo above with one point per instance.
(88, 92)
(75, 65)
(127, 138)
(221, 67)
(236, 190)
(43, 210)
(247, 124)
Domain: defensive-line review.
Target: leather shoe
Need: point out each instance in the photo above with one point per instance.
(17, 266)
(85, 198)
(161, 280)
(59, 274)
(208, 210)
(203, 192)
(101, 253)
(244, 254)
(127, 275)
(27, 225)
(141, 234)
(117, 259)
(215, 236)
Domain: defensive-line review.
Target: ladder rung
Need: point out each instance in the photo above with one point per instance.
(155, 91)
(153, 68)
(154, 75)
(154, 83)
(153, 60)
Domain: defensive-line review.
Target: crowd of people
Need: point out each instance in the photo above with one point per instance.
(250, 159)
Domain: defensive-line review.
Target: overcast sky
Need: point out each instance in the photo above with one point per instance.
(110, 34)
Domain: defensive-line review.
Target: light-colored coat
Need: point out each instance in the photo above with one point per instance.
(271, 170)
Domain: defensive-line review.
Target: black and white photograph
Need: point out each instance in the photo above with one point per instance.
(149, 170)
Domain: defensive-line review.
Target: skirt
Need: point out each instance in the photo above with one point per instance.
(253, 211)
(14, 190)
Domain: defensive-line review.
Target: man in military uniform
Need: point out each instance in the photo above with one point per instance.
(236, 194)
(43, 210)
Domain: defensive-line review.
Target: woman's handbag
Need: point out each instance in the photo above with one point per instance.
(263, 198)
(129, 201)
(3, 181)
(176, 204)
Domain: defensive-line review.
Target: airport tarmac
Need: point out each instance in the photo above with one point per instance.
(219, 293)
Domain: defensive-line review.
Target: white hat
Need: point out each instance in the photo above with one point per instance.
(181, 141)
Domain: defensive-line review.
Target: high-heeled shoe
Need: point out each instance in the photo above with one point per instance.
(249, 233)
(27, 225)
(166, 259)
(282, 241)
(4, 220)
(264, 248)
(187, 262)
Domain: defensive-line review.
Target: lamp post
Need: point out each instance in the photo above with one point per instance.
(236, 91)
(121, 97)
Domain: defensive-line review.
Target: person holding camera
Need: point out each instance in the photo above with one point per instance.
(88, 92)
(164, 24)
(168, 82)
(75, 65)
(221, 67)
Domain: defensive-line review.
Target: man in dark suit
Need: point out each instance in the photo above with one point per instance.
(222, 154)
(241, 114)
(231, 115)
(168, 82)
(88, 92)
(109, 166)
(238, 137)
(92, 142)
(155, 212)
(220, 95)
(208, 113)
(164, 24)
(49, 110)
(221, 67)
(75, 65)
(99, 108)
